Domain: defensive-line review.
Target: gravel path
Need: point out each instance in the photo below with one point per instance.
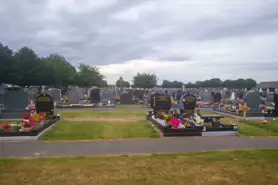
(139, 146)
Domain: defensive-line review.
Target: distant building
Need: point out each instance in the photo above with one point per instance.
(268, 86)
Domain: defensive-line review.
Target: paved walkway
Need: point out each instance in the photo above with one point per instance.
(143, 146)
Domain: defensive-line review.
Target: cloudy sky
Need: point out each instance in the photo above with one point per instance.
(185, 40)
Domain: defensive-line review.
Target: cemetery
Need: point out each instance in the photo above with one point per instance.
(120, 92)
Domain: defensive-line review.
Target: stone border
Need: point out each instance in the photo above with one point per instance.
(240, 117)
(28, 138)
(220, 133)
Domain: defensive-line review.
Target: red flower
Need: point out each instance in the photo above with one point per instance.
(31, 118)
(25, 116)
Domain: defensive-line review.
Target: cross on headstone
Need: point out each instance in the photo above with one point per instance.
(245, 109)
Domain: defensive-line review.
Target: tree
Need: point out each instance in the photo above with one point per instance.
(8, 66)
(174, 84)
(89, 76)
(145, 80)
(55, 70)
(122, 83)
(29, 67)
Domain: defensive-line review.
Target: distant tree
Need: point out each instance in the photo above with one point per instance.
(166, 84)
(89, 76)
(29, 67)
(174, 84)
(55, 70)
(145, 80)
(122, 83)
(8, 66)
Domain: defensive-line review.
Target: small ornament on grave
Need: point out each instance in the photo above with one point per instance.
(245, 109)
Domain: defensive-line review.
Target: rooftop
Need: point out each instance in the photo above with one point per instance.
(273, 84)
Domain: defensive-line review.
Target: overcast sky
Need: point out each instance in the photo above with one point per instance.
(176, 39)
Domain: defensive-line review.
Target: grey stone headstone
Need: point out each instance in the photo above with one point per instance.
(33, 92)
(253, 101)
(206, 96)
(2, 89)
(15, 99)
(106, 95)
(270, 98)
(73, 97)
(56, 93)
(80, 92)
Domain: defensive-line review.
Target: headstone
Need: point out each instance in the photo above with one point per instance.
(45, 104)
(2, 89)
(126, 98)
(179, 94)
(276, 103)
(188, 103)
(94, 96)
(270, 98)
(253, 101)
(106, 95)
(206, 96)
(217, 97)
(73, 97)
(33, 93)
(56, 94)
(139, 94)
(15, 99)
(161, 103)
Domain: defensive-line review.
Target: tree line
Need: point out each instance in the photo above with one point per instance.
(215, 82)
(26, 68)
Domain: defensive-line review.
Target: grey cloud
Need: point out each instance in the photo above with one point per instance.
(94, 37)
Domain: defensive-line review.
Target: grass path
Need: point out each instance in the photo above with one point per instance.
(254, 167)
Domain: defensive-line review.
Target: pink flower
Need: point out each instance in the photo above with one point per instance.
(4, 124)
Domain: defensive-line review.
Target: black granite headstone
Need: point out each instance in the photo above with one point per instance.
(276, 102)
(95, 96)
(126, 98)
(217, 97)
(161, 102)
(45, 104)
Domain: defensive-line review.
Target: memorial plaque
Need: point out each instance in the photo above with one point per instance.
(95, 96)
(45, 104)
(161, 102)
(189, 102)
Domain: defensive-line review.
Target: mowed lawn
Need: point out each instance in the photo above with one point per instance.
(255, 167)
(253, 127)
(131, 107)
(257, 128)
(101, 125)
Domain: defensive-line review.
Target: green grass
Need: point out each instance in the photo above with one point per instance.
(256, 128)
(131, 107)
(209, 113)
(66, 130)
(103, 114)
(254, 167)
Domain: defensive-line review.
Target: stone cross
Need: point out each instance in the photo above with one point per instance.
(245, 109)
